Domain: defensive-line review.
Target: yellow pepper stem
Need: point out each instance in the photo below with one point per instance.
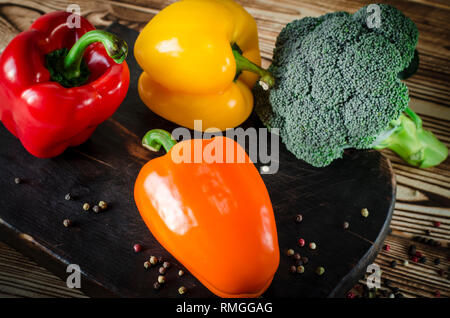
(266, 79)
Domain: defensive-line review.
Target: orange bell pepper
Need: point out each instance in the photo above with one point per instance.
(215, 218)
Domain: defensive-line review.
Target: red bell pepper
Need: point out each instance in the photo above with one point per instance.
(52, 98)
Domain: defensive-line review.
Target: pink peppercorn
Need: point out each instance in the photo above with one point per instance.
(415, 259)
(437, 294)
(437, 224)
(387, 247)
(137, 248)
(350, 295)
(301, 242)
(418, 254)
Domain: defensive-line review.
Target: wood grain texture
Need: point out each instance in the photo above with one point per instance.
(423, 195)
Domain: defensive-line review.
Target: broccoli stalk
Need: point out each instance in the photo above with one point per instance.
(417, 146)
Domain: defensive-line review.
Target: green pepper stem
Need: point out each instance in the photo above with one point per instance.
(116, 48)
(243, 64)
(155, 138)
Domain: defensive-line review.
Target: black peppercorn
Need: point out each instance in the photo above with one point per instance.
(305, 260)
(297, 256)
(393, 264)
(387, 282)
(399, 295)
(394, 290)
(293, 269)
(412, 250)
(298, 262)
(427, 232)
(423, 260)
(437, 261)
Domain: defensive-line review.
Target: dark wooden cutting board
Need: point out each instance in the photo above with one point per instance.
(105, 168)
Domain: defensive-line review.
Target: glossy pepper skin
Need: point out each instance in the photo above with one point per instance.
(214, 218)
(190, 67)
(45, 116)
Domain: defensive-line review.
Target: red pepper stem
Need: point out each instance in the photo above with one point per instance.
(243, 64)
(155, 138)
(116, 48)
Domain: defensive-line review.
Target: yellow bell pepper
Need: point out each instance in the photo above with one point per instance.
(200, 60)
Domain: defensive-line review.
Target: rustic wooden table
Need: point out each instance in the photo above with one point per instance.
(423, 196)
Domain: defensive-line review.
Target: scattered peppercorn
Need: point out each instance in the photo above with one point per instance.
(182, 290)
(440, 272)
(415, 259)
(312, 245)
(427, 232)
(437, 224)
(437, 261)
(300, 269)
(405, 262)
(418, 254)
(137, 248)
(437, 294)
(320, 270)
(393, 264)
(365, 212)
(147, 264)
(161, 279)
(412, 250)
(299, 218)
(166, 265)
(160, 260)
(86, 206)
(350, 295)
(301, 242)
(305, 260)
(162, 270)
(180, 272)
(391, 295)
(17, 180)
(345, 225)
(423, 260)
(290, 252)
(387, 247)
(298, 262)
(67, 223)
(103, 205)
(399, 295)
(156, 285)
(387, 282)
(96, 208)
(68, 197)
(292, 269)
(153, 260)
(394, 290)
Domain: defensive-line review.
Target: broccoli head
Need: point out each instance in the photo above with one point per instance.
(337, 86)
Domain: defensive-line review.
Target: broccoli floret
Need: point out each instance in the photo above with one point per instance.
(337, 86)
